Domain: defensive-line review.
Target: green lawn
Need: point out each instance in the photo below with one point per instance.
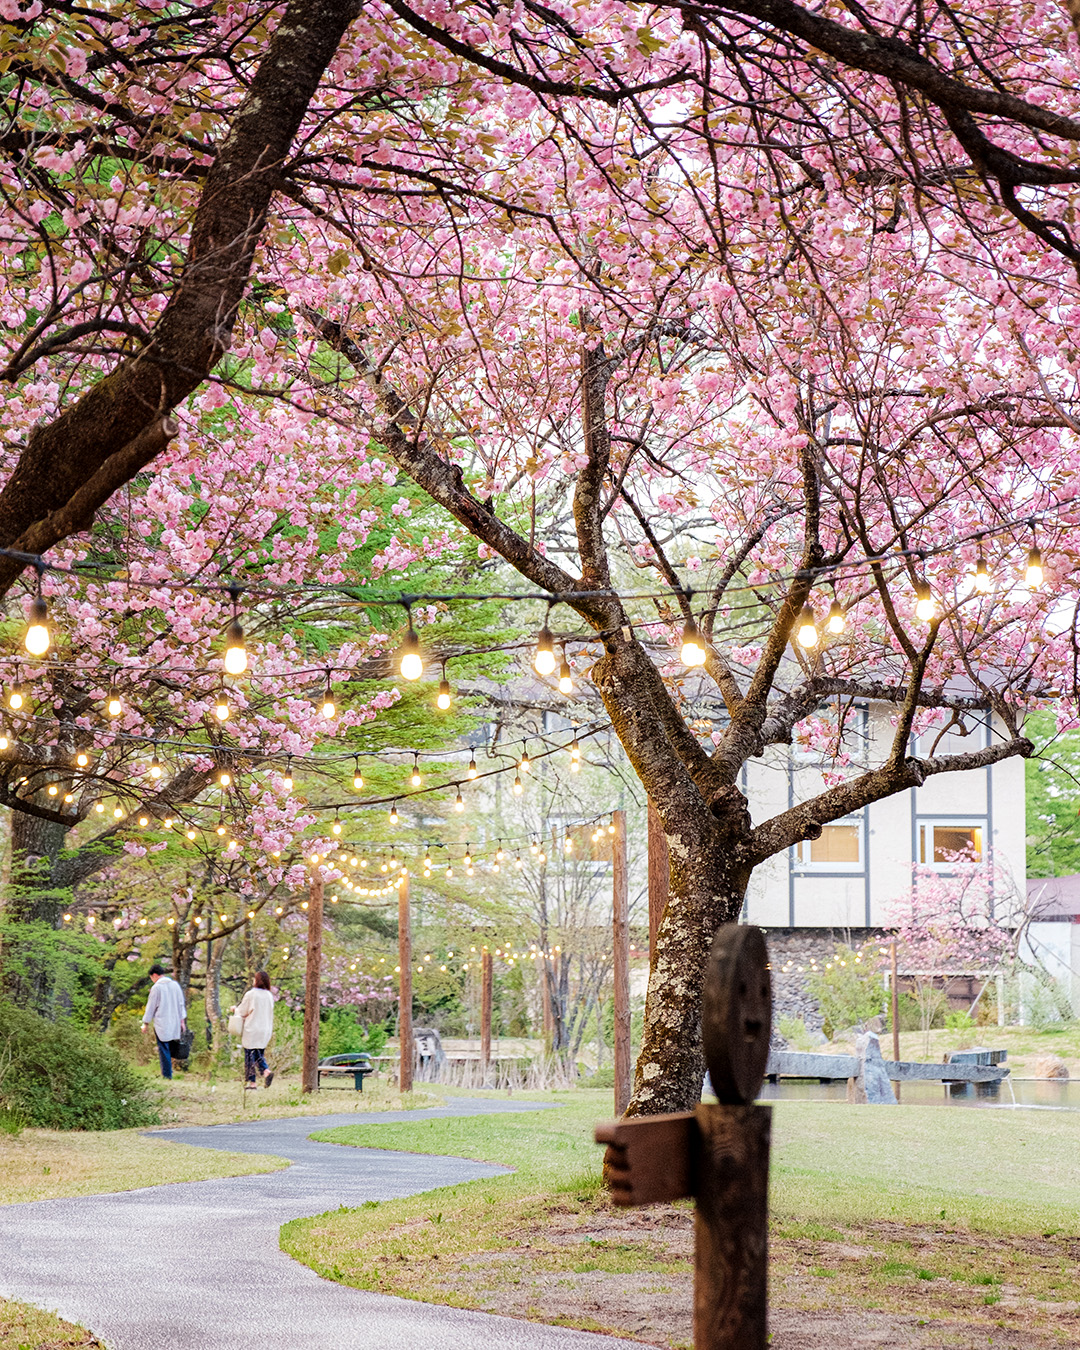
(952, 1212)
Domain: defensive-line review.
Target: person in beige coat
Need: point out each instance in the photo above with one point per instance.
(257, 1010)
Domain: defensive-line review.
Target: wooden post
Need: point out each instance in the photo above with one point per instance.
(621, 935)
(487, 989)
(310, 1075)
(545, 993)
(405, 1036)
(894, 990)
(659, 877)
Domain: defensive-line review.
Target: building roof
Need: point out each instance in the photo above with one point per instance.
(1052, 898)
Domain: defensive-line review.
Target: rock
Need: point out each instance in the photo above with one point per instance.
(1051, 1066)
(872, 1081)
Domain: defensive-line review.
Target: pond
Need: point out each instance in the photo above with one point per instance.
(1062, 1095)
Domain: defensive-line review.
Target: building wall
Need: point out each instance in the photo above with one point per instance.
(789, 891)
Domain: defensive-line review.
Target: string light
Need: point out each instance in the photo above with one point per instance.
(156, 768)
(982, 572)
(925, 608)
(287, 780)
(37, 639)
(518, 788)
(575, 755)
(807, 633)
(410, 658)
(566, 682)
(472, 770)
(394, 817)
(837, 620)
(692, 652)
(459, 801)
(82, 759)
(329, 708)
(544, 656)
(443, 699)
(113, 706)
(1034, 574)
(415, 778)
(235, 652)
(336, 827)
(221, 706)
(358, 777)
(523, 763)
(224, 778)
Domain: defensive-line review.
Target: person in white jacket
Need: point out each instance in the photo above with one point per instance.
(257, 1010)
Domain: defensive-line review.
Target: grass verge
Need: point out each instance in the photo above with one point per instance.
(192, 1100)
(946, 1226)
(24, 1327)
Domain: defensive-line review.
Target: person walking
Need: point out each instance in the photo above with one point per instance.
(257, 1010)
(165, 1008)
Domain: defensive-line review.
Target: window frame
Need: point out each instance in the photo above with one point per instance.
(808, 866)
(924, 823)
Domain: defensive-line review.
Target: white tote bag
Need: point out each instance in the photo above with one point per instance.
(236, 1025)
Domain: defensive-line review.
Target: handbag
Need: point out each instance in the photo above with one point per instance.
(236, 1025)
(181, 1049)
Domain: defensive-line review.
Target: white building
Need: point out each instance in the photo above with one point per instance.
(862, 864)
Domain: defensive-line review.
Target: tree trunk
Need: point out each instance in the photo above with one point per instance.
(35, 850)
(215, 956)
(708, 885)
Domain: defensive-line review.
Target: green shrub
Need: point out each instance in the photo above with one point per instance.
(602, 1078)
(848, 992)
(57, 1077)
(911, 1015)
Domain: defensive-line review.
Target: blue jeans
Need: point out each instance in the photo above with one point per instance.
(164, 1055)
(253, 1059)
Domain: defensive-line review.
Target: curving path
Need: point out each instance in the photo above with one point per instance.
(196, 1266)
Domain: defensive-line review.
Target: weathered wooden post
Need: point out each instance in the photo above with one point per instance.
(309, 1077)
(405, 1036)
(487, 989)
(624, 1066)
(717, 1154)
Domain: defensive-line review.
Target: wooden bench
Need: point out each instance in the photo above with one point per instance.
(357, 1067)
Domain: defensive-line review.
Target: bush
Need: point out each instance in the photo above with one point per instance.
(848, 992)
(57, 1077)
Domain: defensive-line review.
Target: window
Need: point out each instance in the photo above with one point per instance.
(839, 847)
(940, 843)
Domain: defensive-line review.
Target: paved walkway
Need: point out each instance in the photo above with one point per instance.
(197, 1266)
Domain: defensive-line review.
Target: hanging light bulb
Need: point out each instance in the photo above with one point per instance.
(517, 860)
(523, 763)
(499, 854)
(693, 646)
(806, 631)
(4, 742)
(156, 767)
(336, 827)
(287, 779)
(449, 871)
(566, 682)
(410, 659)
(544, 656)
(427, 859)
(415, 778)
(329, 708)
(837, 620)
(224, 778)
(358, 777)
(1034, 574)
(36, 640)
(925, 609)
(468, 855)
(394, 817)
(82, 759)
(518, 788)
(472, 769)
(442, 702)
(190, 834)
(534, 848)
(982, 573)
(459, 802)
(221, 705)
(113, 705)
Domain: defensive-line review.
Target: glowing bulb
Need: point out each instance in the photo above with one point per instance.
(982, 575)
(394, 817)
(523, 762)
(358, 777)
(415, 778)
(168, 822)
(235, 651)
(82, 759)
(336, 827)
(329, 708)
(156, 768)
(459, 802)
(410, 661)
(472, 769)
(925, 609)
(15, 699)
(221, 831)
(1034, 574)
(807, 633)
(518, 789)
(287, 779)
(4, 742)
(53, 789)
(544, 656)
(37, 634)
(443, 700)
(449, 872)
(143, 821)
(224, 778)
(566, 682)
(114, 707)
(693, 648)
(221, 707)
(117, 813)
(837, 620)
(100, 808)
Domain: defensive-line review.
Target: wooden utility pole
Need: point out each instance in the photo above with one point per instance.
(487, 990)
(405, 1036)
(659, 877)
(310, 1075)
(621, 935)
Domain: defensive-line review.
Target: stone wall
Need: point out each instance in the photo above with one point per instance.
(790, 948)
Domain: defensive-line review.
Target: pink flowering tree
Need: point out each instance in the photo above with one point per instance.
(688, 324)
(966, 921)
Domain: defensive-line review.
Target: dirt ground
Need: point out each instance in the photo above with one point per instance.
(887, 1286)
